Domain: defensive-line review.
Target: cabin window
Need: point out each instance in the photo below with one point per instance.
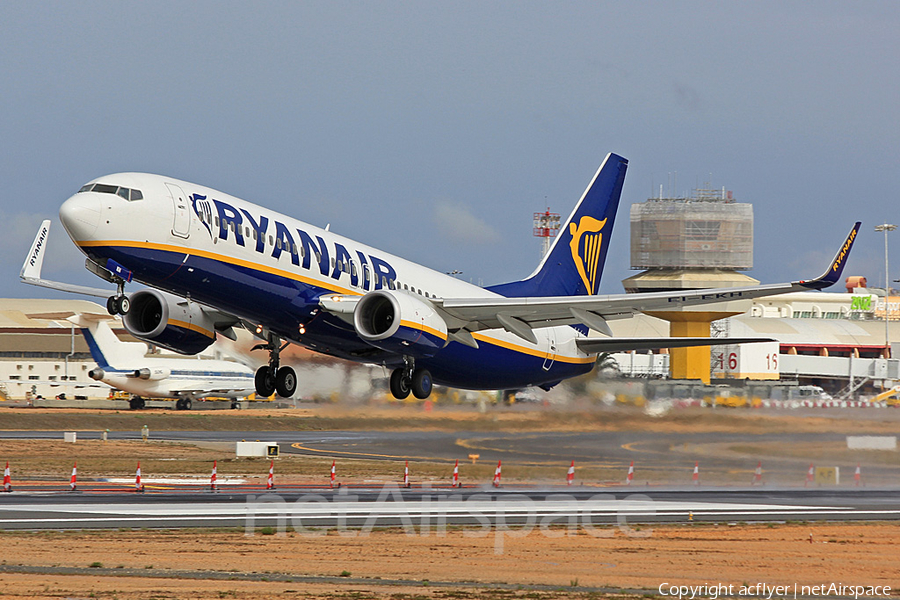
(352, 269)
(271, 241)
(255, 235)
(278, 243)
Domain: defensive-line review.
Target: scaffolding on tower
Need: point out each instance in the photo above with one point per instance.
(546, 226)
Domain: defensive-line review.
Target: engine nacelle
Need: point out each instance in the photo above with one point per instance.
(401, 323)
(154, 374)
(168, 321)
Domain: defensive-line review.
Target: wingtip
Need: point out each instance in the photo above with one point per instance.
(833, 274)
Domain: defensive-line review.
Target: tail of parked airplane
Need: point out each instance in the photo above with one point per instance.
(574, 264)
(106, 348)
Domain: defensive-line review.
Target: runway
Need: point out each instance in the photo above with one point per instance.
(726, 457)
(362, 508)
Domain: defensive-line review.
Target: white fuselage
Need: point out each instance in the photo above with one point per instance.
(270, 269)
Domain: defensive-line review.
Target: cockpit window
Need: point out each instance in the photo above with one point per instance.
(103, 188)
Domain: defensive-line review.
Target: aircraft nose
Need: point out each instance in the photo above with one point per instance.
(80, 215)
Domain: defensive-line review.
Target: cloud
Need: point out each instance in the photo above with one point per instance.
(457, 222)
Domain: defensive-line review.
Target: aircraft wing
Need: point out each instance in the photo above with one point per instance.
(31, 274)
(522, 315)
(598, 345)
(31, 270)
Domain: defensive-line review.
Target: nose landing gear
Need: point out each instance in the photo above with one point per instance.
(118, 304)
(271, 378)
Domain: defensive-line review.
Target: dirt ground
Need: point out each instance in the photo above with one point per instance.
(390, 565)
(464, 563)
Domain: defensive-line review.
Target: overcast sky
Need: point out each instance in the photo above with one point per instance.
(434, 130)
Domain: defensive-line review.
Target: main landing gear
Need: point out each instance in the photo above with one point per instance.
(271, 378)
(408, 379)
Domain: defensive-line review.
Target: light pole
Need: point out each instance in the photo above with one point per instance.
(887, 286)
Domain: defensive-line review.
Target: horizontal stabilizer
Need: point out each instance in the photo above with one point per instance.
(597, 345)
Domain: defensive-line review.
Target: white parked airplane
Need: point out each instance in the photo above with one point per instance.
(124, 366)
(213, 261)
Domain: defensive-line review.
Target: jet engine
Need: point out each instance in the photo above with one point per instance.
(154, 374)
(170, 322)
(399, 322)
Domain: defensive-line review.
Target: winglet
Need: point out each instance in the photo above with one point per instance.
(833, 274)
(35, 259)
(31, 270)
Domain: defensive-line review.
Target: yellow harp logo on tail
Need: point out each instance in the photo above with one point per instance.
(586, 245)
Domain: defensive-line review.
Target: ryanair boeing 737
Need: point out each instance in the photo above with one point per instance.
(213, 262)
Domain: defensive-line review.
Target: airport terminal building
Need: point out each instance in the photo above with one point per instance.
(834, 340)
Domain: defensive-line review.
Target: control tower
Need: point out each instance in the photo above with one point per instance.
(686, 244)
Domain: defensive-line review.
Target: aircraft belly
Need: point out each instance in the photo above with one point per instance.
(493, 367)
(282, 304)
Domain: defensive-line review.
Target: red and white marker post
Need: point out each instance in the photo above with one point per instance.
(696, 476)
(570, 474)
(496, 481)
(73, 483)
(630, 477)
(7, 481)
(856, 475)
(456, 474)
(757, 476)
(406, 475)
(270, 481)
(212, 478)
(810, 475)
(138, 486)
(333, 472)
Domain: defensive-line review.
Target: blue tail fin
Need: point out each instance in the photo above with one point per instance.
(574, 264)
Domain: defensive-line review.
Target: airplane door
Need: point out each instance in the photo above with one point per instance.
(182, 224)
(551, 355)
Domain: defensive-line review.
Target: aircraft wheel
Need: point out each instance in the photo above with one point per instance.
(179, 404)
(123, 305)
(400, 384)
(136, 403)
(286, 382)
(421, 383)
(265, 382)
(111, 305)
(186, 404)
